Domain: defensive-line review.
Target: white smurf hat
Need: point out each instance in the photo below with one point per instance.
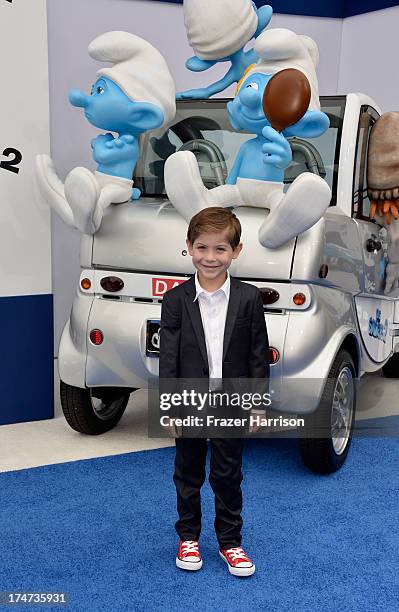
(280, 48)
(218, 28)
(138, 69)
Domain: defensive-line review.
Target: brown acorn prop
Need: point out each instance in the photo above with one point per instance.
(286, 98)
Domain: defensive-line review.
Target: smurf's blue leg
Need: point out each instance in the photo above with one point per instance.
(206, 92)
(264, 16)
(240, 61)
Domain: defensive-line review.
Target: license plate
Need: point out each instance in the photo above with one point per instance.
(152, 339)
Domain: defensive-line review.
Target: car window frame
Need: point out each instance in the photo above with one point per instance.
(338, 100)
(373, 115)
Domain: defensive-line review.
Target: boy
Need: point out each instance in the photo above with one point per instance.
(212, 326)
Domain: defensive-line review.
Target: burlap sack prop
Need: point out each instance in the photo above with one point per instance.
(383, 167)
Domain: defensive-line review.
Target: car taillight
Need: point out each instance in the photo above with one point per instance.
(274, 355)
(299, 299)
(269, 296)
(112, 284)
(96, 336)
(85, 283)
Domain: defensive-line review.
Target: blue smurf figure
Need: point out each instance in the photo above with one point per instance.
(134, 95)
(218, 32)
(256, 178)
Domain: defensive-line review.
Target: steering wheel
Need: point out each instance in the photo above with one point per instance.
(213, 156)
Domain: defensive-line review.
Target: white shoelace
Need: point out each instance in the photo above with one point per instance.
(237, 553)
(189, 546)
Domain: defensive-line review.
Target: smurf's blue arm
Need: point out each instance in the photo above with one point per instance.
(115, 156)
(206, 92)
(195, 64)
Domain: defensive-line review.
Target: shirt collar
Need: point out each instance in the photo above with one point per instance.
(225, 287)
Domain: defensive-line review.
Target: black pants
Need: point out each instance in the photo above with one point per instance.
(225, 479)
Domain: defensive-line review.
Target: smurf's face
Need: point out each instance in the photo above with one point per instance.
(107, 107)
(246, 110)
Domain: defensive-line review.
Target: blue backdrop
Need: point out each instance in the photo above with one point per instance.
(321, 8)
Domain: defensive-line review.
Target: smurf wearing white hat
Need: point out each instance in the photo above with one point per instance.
(133, 95)
(256, 178)
(218, 31)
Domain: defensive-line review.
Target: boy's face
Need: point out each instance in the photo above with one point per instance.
(212, 255)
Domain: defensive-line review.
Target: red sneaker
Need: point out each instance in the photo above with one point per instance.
(188, 555)
(238, 561)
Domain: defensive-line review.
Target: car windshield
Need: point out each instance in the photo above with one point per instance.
(203, 128)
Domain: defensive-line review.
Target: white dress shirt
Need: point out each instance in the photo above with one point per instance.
(213, 308)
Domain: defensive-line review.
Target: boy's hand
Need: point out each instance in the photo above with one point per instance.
(171, 430)
(260, 414)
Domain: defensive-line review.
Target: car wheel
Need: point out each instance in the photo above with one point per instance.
(327, 434)
(93, 411)
(391, 368)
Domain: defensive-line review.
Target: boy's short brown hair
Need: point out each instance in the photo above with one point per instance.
(213, 220)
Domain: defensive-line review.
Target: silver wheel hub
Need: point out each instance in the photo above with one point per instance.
(342, 410)
(106, 410)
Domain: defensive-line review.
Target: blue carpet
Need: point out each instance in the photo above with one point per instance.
(380, 427)
(102, 530)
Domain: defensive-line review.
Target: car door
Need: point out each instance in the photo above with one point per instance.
(374, 310)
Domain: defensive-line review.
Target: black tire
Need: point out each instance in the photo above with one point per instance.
(93, 411)
(319, 449)
(391, 368)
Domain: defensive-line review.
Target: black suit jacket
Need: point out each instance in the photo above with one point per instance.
(182, 341)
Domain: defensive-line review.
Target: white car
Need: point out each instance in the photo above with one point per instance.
(327, 316)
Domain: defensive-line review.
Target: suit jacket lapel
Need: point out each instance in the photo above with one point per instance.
(195, 315)
(232, 311)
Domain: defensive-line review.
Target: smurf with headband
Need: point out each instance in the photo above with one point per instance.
(218, 32)
(256, 178)
(132, 96)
